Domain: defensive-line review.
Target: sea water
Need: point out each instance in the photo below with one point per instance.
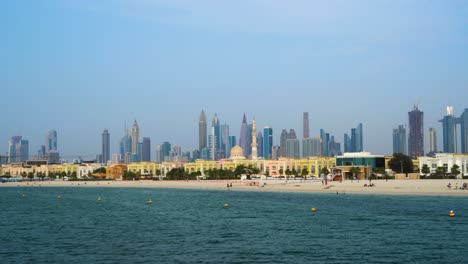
(70, 225)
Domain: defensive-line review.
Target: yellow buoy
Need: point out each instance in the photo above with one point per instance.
(99, 199)
(150, 201)
(226, 205)
(59, 196)
(452, 213)
(23, 195)
(313, 209)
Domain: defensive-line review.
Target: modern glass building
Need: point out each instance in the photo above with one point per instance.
(293, 148)
(146, 149)
(105, 146)
(325, 137)
(464, 131)
(399, 139)
(267, 142)
(202, 131)
(260, 144)
(432, 140)
(361, 159)
(347, 143)
(449, 130)
(244, 137)
(311, 147)
(165, 150)
(416, 133)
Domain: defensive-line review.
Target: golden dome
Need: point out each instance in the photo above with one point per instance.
(237, 152)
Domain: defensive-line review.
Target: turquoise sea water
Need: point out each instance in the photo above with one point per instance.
(193, 226)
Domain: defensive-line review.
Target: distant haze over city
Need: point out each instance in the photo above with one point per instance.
(79, 67)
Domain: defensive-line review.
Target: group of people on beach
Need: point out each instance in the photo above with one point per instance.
(463, 187)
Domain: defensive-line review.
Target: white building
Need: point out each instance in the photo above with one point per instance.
(447, 161)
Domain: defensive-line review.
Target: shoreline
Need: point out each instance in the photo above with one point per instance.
(391, 187)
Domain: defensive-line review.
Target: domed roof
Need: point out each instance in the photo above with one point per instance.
(237, 152)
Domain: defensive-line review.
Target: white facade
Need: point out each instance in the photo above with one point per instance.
(447, 161)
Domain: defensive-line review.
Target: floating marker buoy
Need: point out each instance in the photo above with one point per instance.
(226, 205)
(150, 201)
(452, 213)
(59, 196)
(99, 199)
(23, 195)
(313, 209)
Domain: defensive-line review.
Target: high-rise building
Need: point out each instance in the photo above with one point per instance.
(305, 124)
(202, 131)
(432, 140)
(254, 140)
(267, 142)
(249, 150)
(41, 154)
(146, 149)
(51, 141)
(214, 137)
(449, 130)
(52, 152)
(347, 143)
(325, 138)
(159, 154)
(284, 137)
(165, 150)
(244, 137)
(105, 146)
(260, 143)
(232, 143)
(464, 131)
(356, 139)
(225, 146)
(195, 155)
(293, 148)
(18, 149)
(275, 152)
(334, 148)
(126, 147)
(135, 137)
(399, 140)
(416, 133)
(311, 147)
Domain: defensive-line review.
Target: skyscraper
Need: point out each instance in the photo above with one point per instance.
(356, 139)
(146, 149)
(275, 152)
(305, 124)
(105, 146)
(334, 148)
(260, 143)
(18, 149)
(202, 131)
(215, 138)
(226, 147)
(159, 154)
(347, 143)
(126, 147)
(283, 138)
(464, 131)
(254, 140)
(311, 147)
(292, 148)
(399, 140)
(449, 130)
(244, 137)
(135, 137)
(416, 133)
(232, 143)
(432, 140)
(165, 150)
(325, 138)
(53, 155)
(267, 142)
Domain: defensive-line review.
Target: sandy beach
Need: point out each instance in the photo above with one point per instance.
(396, 187)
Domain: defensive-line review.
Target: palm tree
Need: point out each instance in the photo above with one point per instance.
(281, 171)
(455, 170)
(288, 173)
(304, 173)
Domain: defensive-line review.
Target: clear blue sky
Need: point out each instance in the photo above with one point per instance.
(82, 66)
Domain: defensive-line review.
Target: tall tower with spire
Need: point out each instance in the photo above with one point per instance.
(202, 131)
(254, 140)
(244, 137)
(214, 143)
(135, 137)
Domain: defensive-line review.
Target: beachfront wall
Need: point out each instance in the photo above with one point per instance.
(343, 172)
(406, 176)
(447, 161)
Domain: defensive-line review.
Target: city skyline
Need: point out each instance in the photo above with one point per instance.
(161, 63)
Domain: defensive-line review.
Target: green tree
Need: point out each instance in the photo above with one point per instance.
(100, 170)
(425, 170)
(30, 175)
(455, 170)
(129, 176)
(288, 173)
(281, 171)
(324, 171)
(440, 171)
(294, 172)
(400, 163)
(304, 173)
